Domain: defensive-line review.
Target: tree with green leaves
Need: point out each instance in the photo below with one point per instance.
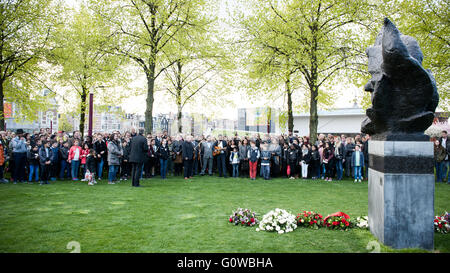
(321, 37)
(144, 29)
(428, 21)
(196, 57)
(25, 30)
(83, 67)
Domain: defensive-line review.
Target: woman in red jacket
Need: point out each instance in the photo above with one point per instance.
(74, 159)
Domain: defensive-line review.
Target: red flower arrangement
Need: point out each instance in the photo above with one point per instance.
(310, 219)
(243, 217)
(441, 223)
(338, 220)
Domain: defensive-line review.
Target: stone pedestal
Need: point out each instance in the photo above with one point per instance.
(401, 193)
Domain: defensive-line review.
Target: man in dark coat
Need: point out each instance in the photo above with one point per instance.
(349, 148)
(222, 144)
(138, 150)
(188, 157)
(445, 142)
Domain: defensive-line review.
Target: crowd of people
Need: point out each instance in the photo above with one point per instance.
(45, 156)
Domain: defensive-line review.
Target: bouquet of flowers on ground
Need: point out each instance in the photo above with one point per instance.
(338, 220)
(243, 217)
(278, 220)
(362, 222)
(310, 219)
(442, 224)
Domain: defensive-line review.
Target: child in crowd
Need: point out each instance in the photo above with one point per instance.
(54, 161)
(33, 163)
(74, 159)
(84, 153)
(125, 166)
(358, 163)
(253, 156)
(234, 160)
(91, 166)
(45, 155)
(265, 160)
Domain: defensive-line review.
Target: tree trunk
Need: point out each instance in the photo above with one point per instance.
(2, 109)
(179, 116)
(150, 98)
(289, 104)
(178, 97)
(313, 117)
(314, 89)
(83, 109)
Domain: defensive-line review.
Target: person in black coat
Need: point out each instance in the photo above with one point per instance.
(221, 158)
(163, 155)
(125, 164)
(445, 142)
(102, 155)
(45, 155)
(33, 163)
(138, 151)
(315, 162)
(349, 148)
(188, 157)
(292, 160)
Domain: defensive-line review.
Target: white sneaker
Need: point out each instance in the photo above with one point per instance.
(91, 184)
(359, 180)
(355, 181)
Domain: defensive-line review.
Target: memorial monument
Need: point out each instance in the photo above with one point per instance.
(401, 179)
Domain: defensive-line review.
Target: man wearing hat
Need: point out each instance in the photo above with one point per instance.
(19, 149)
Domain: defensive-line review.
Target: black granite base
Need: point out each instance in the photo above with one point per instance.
(401, 164)
(401, 137)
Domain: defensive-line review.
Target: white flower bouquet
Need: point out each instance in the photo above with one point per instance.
(278, 220)
(362, 222)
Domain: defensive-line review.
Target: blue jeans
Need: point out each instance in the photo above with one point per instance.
(75, 167)
(235, 170)
(34, 169)
(163, 163)
(444, 170)
(339, 169)
(357, 172)
(266, 171)
(112, 172)
(64, 167)
(195, 168)
(439, 171)
(100, 169)
(323, 170)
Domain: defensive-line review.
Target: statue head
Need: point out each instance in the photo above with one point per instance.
(403, 94)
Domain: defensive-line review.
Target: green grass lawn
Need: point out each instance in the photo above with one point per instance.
(179, 216)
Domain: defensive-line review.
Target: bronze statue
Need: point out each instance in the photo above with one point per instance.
(404, 94)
